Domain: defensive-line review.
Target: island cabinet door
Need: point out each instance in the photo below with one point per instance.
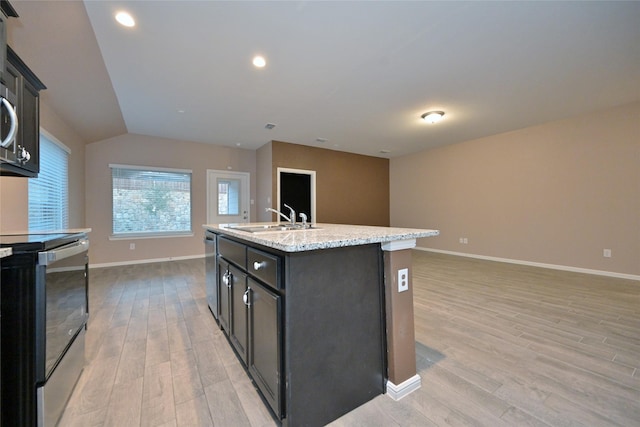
(238, 333)
(265, 364)
(224, 304)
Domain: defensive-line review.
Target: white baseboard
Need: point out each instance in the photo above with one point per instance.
(536, 264)
(397, 392)
(144, 261)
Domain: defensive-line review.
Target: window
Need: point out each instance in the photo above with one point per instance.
(48, 193)
(228, 196)
(150, 201)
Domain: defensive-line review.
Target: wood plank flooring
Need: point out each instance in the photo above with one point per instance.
(497, 345)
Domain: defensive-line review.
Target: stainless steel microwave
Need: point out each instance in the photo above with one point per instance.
(10, 152)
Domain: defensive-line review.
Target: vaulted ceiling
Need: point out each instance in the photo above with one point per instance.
(351, 76)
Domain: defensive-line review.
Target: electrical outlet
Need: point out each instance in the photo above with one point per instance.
(465, 241)
(132, 246)
(462, 240)
(606, 253)
(403, 280)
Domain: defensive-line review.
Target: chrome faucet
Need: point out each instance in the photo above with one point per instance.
(279, 213)
(303, 216)
(292, 214)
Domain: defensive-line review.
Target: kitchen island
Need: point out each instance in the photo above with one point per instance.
(321, 318)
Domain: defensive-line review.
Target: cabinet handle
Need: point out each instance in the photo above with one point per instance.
(245, 298)
(23, 155)
(257, 265)
(226, 279)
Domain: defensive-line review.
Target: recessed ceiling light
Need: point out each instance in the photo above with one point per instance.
(385, 151)
(259, 61)
(433, 116)
(321, 140)
(124, 18)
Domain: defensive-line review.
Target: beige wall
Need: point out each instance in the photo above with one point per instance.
(264, 182)
(14, 207)
(350, 188)
(142, 150)
(14, 200)
(558, 193)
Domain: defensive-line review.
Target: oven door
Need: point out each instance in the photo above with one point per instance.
(60, 347)
(66, 305)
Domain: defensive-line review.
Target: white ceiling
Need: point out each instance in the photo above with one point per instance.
(358, 74)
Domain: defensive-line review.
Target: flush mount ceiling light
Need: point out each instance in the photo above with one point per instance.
(124, 18)
(259, 61)
(433, 116)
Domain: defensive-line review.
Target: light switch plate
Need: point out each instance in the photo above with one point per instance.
(403, 280)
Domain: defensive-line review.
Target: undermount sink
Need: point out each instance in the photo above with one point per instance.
(270, 228)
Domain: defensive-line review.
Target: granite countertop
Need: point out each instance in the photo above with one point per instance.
(5, 252)
(61, 231)
(322, 236)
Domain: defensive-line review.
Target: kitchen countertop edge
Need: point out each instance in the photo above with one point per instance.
(324, 236)
(61, 231)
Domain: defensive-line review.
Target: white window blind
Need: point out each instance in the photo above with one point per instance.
(48, 193)
(150, 201)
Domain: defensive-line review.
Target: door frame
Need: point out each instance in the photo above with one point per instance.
(312, 174)
(245, 190)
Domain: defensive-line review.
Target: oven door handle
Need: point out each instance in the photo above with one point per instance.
(11, 136)
(66, 251)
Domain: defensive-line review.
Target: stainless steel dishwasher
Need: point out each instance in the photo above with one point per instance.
(212, 272)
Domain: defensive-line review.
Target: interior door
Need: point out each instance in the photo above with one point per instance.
(227, 197)
(297, 188)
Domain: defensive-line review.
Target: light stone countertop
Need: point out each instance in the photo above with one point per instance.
(60, 231)
(323, 236)
(5, 252)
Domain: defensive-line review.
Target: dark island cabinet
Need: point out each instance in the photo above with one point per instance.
(249, 314)
(22, 82)
(307, 326)
(223, 291)
(233, 313)
(238, 333)
(265, 326)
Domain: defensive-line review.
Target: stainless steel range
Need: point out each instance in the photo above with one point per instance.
(44, 314)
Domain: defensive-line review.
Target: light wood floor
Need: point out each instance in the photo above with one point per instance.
(497, 345)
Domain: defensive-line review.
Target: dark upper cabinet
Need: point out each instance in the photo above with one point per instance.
(6, 11)
(22, 82)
